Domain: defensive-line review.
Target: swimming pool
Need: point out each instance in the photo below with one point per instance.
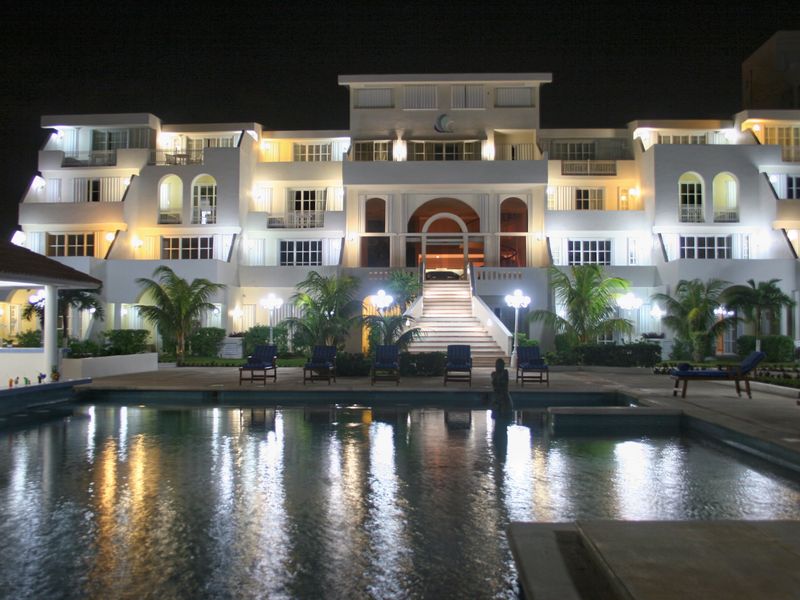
(323, 502)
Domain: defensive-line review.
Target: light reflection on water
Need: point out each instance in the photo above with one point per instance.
(215, 503)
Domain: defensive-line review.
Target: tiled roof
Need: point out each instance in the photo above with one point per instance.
(23, 265)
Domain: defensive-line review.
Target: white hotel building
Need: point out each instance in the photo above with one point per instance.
(435, 171)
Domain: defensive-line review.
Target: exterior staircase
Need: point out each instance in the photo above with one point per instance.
(447, 319)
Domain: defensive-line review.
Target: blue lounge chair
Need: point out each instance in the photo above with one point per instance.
(322, 365)
(531, 366)
(386, 366)
(263, 360)
(736, 373)
(459, 364)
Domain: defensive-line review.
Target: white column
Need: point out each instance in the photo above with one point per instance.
(51, 327)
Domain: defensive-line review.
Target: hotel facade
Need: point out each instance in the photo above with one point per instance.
(436, 173)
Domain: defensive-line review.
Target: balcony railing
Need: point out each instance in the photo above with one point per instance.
(297, 220)
(726, 216)
(790, 153)
(90, 158)
(515, 152)
(588, 167)
(169, 218)
(176, 157)
(692, 214)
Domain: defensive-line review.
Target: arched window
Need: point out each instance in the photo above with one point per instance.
(170, 200)
(690, 196)
(513, 219)
(375, 249)
(726, 198)
(204, 200)
(375, 216)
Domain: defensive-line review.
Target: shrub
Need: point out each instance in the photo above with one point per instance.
(681, 350)
(125, 341)
(423, 363)
(523, 341)
(206, 341)
(29, 339)
(84, 349)
(352, 364)
(260, 335)
(639, 354)
(778, 348)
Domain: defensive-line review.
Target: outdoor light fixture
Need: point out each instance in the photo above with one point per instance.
(382, 301)
(722, 313)
(657, 312)
(271, 303)
(110, 236)
(19, 237)
(37, 297)
(629, 302)
(516, 301)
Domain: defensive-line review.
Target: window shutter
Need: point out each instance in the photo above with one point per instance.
(516, 96)
(373, 98)
(53, 190)
(420, 97)
(79, 192)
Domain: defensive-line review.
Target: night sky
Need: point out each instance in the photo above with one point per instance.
(277, 64)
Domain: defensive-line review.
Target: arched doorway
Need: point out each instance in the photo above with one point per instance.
(445, 242)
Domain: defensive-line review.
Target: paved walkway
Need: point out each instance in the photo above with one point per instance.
(769, 416)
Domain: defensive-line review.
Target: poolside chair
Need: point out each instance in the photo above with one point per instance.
(263, 360)
(736, 373)
(386, 366)
(459, 364)
(322, 365)
(531, 366)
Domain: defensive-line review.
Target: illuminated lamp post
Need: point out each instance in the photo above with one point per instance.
(516, 301)
(382, 301)
(271, 303)
(629, 302)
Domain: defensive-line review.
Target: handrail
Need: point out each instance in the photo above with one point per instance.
(471, 277)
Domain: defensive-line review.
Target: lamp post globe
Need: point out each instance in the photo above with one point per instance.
(516, 301)
(382, 301)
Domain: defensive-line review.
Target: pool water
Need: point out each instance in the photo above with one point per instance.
(130, 502)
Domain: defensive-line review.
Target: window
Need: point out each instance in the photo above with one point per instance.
(467, 96)
(690, 191)
(513, 96)
(373, 98)
(93, 190)
(589, 199)
(705, 247)
(444, 150)
(109, 139)
(301, 253)
(370, 151)
(70, 244)
(683, 139)
(793, 187)
(204, 200)
(572, 151)
(725, 198)
(307, 200)
(589, 252)
(312, 152)
(420, 97)
(788, 138)
(187, 248)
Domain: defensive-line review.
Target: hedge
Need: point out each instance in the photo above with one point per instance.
(206, 341)
(639, 354)
(423, 363)
(778, 348)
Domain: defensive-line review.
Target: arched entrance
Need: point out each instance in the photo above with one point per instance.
(445, 242)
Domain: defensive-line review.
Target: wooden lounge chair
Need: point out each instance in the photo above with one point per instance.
(531, 366)
(263, 360)
(322, 365)
(386, 366)
(735, 373)
(459, 364)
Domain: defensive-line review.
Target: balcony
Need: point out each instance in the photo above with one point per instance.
(297, 220)
(726, 216)
(692, 214)
(176, 157)
(588, 167)
(169, 218)
(515, 152)
(790, 153)
(90, 158)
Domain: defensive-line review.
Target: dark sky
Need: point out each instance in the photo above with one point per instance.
(277, 64)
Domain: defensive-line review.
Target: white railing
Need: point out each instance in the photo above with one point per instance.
(726, 216)
(692, 214)
(494, 326)
(169, 218)
(90, 158)
(588, 167)
(297, 220)
(176, 157)
(502, 274)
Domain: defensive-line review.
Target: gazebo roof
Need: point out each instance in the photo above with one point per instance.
(20, 267)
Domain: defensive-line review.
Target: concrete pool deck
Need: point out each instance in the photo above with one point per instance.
(607, 559)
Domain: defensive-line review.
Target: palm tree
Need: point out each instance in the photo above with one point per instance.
(588, 297)
(77, 299)
(329, 310)
(404, 287)
(177, 304)
(690, 313)
(392, 329)
(757, 302)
